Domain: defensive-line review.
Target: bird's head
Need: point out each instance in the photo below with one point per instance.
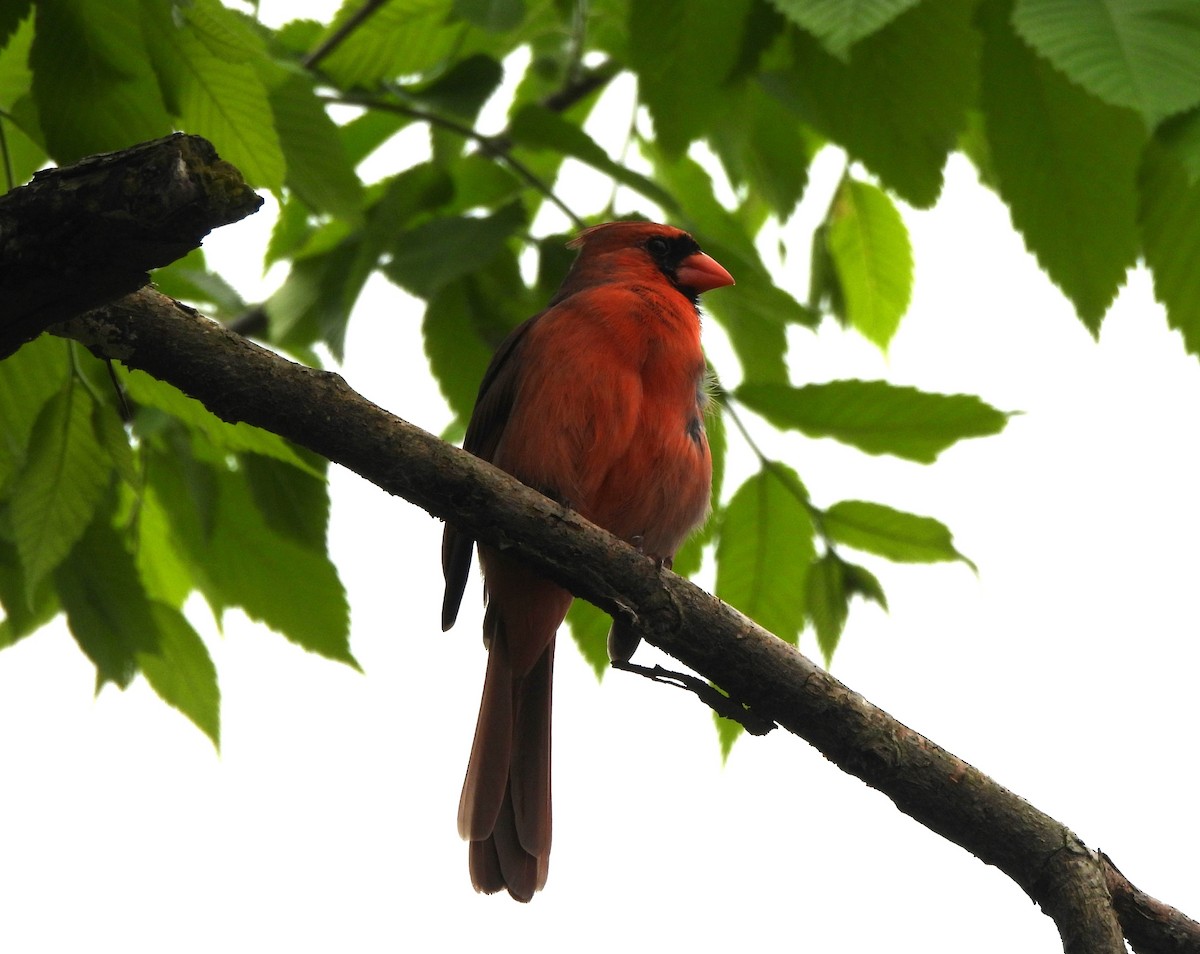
(628, 250)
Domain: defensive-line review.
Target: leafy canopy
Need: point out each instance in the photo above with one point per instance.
(116, 506)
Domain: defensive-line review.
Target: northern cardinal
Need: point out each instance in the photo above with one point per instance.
(597, 402)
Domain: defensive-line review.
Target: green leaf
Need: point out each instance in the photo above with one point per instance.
(108, 611)
(839, 24)
(728, 732)
(402, 38)
(901, 121)
(92, 79)
(760, 143)
(463, 88)
(536, 127)
(181, 671)
(764, 550)
(495, 16)
(12, 13)
(894, 534)
(223, 32)
(232, 438)
(1066, 164)
(1136, 53)
(55, 496)
(28, 379)
(1181, 137)
(318, 166)
(225, 102)
(1170, 225)
(24, 612)
(589, 628)
(430, 256)
(875, 416)
(870, 249)
(828, 602)
(465, 323)
(284, 584)
(161, 561)
(859, 581)
(682, 52)
(293, 502)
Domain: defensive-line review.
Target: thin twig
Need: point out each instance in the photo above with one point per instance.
(712, 697)
(488, 145)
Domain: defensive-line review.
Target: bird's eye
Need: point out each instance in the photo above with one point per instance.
(657, 247)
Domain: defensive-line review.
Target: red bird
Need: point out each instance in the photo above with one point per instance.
(597, 402)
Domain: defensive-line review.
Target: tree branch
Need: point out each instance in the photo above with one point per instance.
(83, 235)
(240, 381)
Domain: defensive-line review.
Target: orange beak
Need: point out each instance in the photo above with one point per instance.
(702, 272)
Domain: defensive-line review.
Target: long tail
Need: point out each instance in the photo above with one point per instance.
(505, 811)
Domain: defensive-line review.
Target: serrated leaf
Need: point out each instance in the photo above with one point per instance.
(869, 247)
(839, 24)
(24, 612)
(887, 532)
(427, 258)
(233, 438)
(828, 602)
(11, 15)
(222, 31)
(225, 102)
(318, 166)
(683, 52)
(764, 550)
(28, 379)
(402, 38)
(1135, 53)
(900, 121)
(536, 127)
(92, 79)
(859, 581)
(180, 669)
(55, 495)
(589, 628)
(728, 732)
(875, 416)
(1170, 226)
(108, 611)
(291, 588)
(1066, 164)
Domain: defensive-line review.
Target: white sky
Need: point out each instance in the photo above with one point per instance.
(1065, 670)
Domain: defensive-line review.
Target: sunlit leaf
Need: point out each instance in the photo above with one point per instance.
(870, 250)
(55, 495)
(589, 628)
(764, 550)
(1170, 225)
(875, 416)
(180, 669)
(887, 532)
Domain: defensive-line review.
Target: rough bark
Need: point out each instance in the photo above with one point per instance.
(1093, 906)
(77, 237)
